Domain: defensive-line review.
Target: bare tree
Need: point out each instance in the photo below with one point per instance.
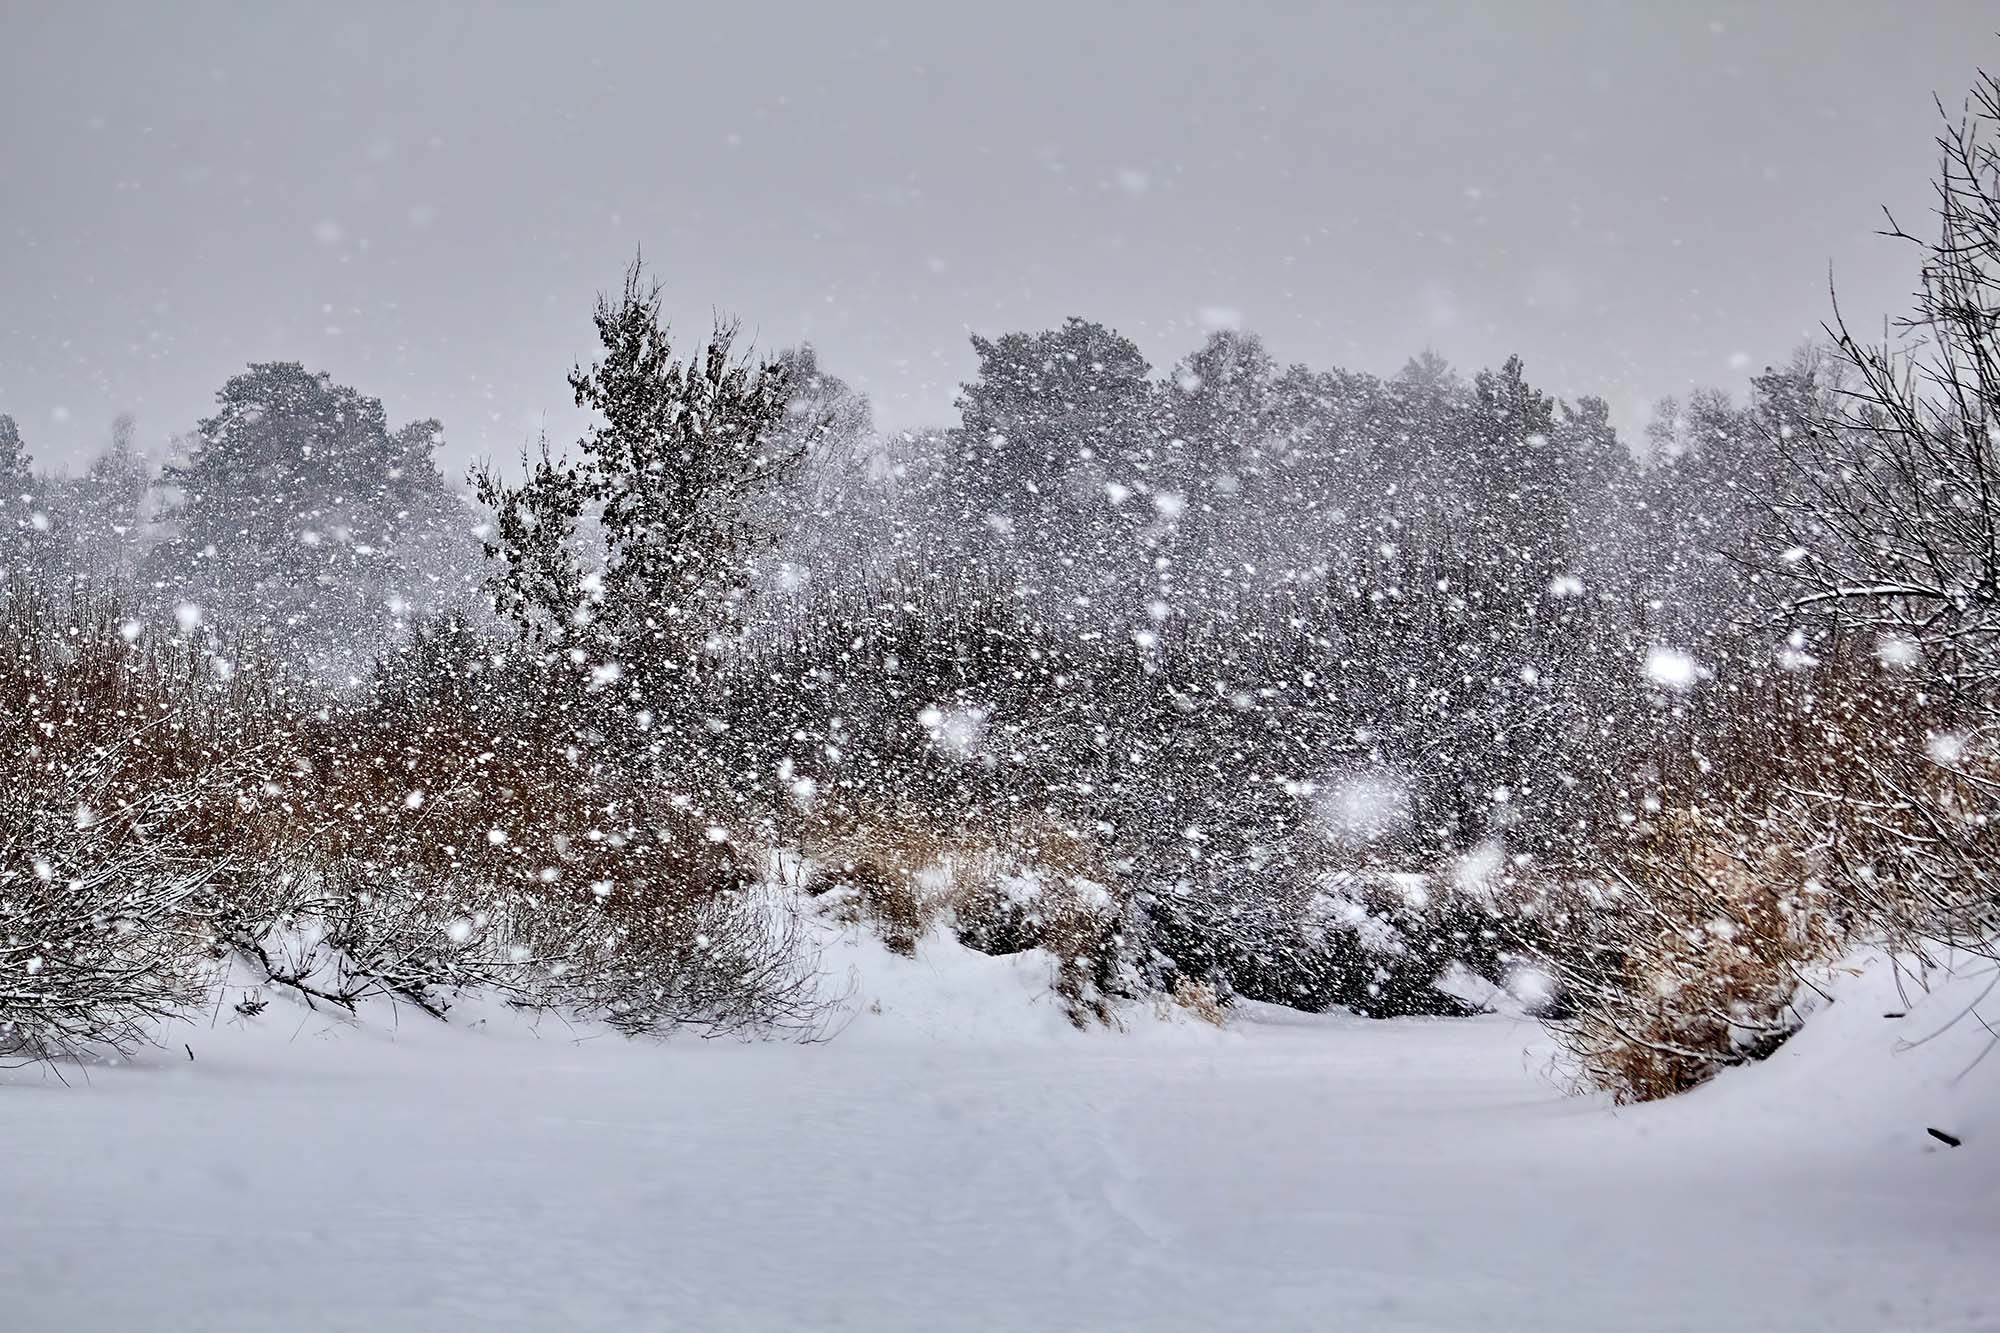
(1885, 552)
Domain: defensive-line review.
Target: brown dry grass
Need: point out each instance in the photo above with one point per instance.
(1704, 948)
(1202, 1000)
(1002, 885)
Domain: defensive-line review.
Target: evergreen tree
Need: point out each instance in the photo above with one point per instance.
(302, 517)
(103, 512)
(1050, 420)
(625, 562)
(24, 523)
(1221, 421)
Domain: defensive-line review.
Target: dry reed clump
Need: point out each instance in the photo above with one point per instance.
(1001, 887)
(1201, 999)
(1693, 959)
(896, 871)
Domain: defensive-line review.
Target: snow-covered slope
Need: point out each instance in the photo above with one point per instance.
(959, 1158)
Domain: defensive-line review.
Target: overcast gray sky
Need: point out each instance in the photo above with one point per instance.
(423, 198)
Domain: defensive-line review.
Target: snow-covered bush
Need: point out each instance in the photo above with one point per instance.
(1692, 956)
(470, 840)
(1880, 550)
(137, 780)
(1053, 891)
(1846, 790)
(100, 930)
(165, 808)
(1316, 938)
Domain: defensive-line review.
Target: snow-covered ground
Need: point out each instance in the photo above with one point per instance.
(958, 1159)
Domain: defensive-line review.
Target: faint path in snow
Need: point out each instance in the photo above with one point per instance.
(1293, 1173)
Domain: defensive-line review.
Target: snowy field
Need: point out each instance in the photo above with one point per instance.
(958, 1159)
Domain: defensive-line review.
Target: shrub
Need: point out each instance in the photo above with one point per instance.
(1692, 958)
(136, 788)
(472, 841)
(162, 811)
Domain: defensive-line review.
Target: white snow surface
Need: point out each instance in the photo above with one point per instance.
(959, 1158)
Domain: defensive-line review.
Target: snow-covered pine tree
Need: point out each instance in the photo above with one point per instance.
(303, 519)
(626, 561)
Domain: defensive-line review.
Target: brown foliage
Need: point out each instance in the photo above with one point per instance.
(1704, 938)
(1003, 887)
(161, 809)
